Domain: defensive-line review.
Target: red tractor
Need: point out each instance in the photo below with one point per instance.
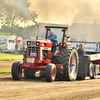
(40, 62)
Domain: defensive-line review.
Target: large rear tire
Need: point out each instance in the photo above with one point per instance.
(69, 59)
(50, 72)
(16, 71)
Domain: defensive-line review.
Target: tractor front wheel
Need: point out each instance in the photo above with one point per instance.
(50, 72)
(16, 71)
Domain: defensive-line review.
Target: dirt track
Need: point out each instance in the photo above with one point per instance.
(38, 89)
(7, 64)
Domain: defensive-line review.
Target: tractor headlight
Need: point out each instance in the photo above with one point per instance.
(28, 42)
(37, 43)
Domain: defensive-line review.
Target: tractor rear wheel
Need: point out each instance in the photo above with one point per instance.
(69, 59)
(50, 72)
(16, 71)
(29, 73)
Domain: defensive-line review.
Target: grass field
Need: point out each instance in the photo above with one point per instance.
(5, 70)
(5, 56)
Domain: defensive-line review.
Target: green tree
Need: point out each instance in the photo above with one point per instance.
(10, 16)
(1, 33)
(18, 31)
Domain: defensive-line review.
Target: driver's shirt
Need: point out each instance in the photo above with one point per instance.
(55, 37)
(81, 51)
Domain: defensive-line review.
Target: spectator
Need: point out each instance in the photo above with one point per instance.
(81, 50)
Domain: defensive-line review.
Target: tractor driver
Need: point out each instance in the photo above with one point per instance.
(54, 39)
(81, 50)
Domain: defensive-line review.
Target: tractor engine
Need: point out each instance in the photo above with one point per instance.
(38, 52)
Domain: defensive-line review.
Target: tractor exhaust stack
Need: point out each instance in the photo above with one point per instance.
(36, 28)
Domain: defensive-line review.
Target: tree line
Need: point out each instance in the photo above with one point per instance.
(10, 23)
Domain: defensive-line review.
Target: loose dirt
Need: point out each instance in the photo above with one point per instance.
(7, 63)
(39, 89)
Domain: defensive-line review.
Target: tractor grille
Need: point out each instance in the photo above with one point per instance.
(33, 51)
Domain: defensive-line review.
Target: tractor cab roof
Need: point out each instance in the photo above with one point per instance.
(56, 27)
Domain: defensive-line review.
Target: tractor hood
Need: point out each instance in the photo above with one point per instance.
(42, 43)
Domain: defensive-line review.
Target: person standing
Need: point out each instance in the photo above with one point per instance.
(81, 51)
